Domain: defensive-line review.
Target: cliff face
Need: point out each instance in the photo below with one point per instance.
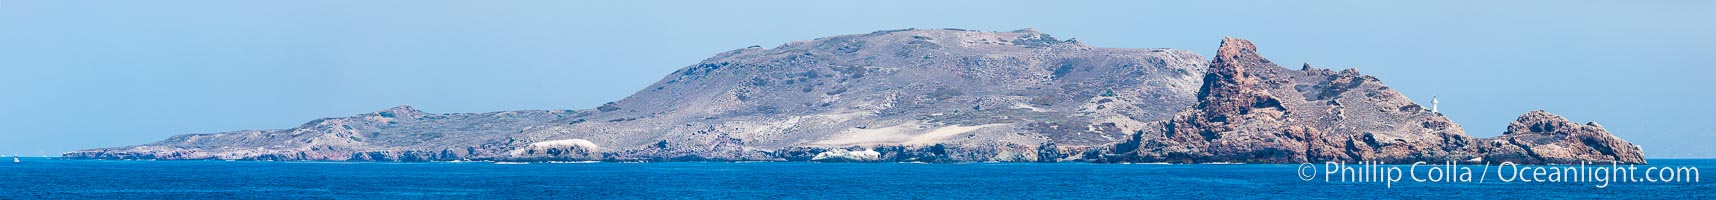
(932, 96)
(1251, 110)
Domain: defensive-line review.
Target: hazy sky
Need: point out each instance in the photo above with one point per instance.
(86, 74)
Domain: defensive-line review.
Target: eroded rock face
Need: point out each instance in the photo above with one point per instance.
(934, 96)
(1229, 92)
(1541, 137)
(1251, 110)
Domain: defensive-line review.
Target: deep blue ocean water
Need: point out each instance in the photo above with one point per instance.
(47, 178)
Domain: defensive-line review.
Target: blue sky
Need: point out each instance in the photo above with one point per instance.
(87, 74)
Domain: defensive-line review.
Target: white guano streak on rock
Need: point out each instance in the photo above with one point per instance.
(579, 143)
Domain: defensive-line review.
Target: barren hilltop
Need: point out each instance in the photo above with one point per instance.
(940, 96)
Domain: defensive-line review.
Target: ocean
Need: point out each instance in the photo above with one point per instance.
(51, 178)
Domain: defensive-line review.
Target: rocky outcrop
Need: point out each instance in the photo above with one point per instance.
(838, 155)
(556, 150)
(1541, 137)
(1250, 110)
(935, 96)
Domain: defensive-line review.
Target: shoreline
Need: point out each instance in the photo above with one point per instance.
(904, 162)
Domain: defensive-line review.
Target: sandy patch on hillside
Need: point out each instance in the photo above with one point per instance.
(906, 133)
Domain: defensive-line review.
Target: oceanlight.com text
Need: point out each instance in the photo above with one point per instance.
(1599, 175)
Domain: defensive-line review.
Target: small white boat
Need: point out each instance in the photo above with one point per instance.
(15, 159)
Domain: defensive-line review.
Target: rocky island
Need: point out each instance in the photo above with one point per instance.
(945, 95)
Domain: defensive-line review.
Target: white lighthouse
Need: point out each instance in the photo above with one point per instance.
(1433, 103)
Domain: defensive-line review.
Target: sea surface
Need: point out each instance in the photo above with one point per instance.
(52, 178)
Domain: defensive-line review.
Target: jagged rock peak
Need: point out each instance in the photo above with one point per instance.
(1227, 71)
(1236, 52)
(1231, 47)
(1228, 90)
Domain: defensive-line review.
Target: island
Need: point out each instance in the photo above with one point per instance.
(942, 95)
